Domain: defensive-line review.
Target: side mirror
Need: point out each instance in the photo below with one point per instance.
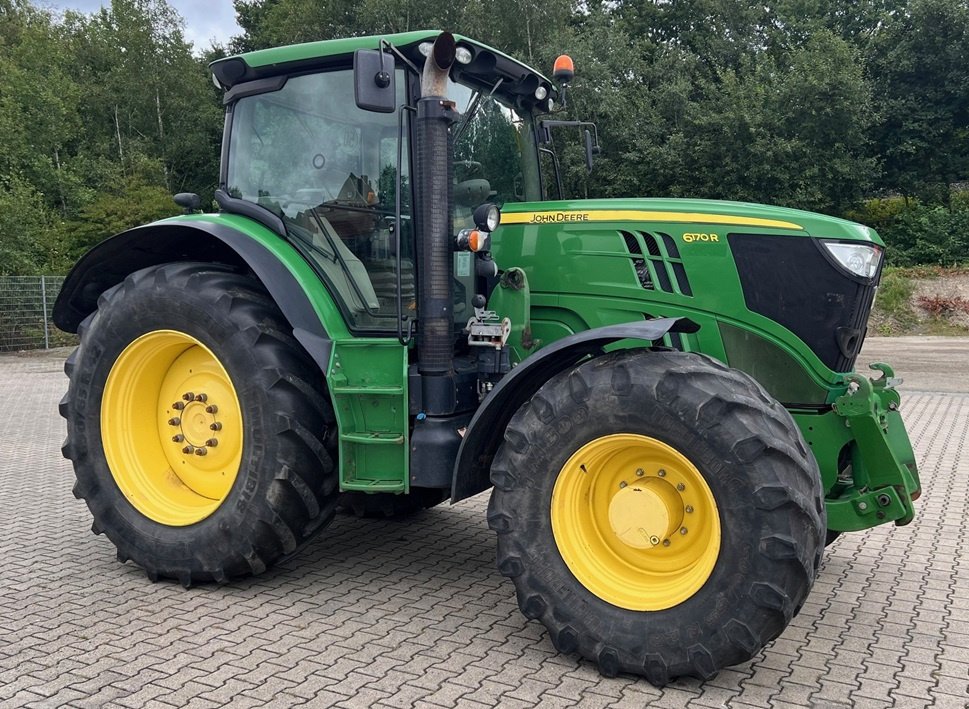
(374, 81)
(189, 201)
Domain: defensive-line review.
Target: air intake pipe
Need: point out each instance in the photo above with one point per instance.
(434, 152)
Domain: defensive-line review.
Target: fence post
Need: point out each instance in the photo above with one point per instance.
(43, 297)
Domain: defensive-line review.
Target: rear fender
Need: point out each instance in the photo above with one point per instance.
(209, 239)
(487, 429)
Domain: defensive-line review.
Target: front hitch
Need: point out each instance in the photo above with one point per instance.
(884, 473)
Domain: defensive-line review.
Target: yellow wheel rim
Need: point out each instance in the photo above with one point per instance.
(635, 522)
(171, 428)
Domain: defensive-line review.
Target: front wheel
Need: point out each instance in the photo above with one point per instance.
(199, 429)
(658, 512)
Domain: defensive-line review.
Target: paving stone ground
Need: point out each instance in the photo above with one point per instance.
(398, 614)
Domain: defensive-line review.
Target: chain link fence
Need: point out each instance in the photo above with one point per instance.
(25, 313)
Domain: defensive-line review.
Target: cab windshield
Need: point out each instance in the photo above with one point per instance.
(491, 147)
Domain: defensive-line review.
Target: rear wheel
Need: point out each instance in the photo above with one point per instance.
(658, 512)
(199, 429)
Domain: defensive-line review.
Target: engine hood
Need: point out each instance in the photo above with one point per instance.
(738, 215)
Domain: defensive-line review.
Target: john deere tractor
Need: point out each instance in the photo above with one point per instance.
(387, 311)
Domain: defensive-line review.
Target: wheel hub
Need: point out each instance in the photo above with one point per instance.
(197, 425)
(643, 515)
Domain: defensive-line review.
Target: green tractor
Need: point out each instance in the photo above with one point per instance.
(660, 392)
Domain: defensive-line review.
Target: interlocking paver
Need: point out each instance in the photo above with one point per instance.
(401, 614)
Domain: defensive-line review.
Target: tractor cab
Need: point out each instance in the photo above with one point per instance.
(338, 176)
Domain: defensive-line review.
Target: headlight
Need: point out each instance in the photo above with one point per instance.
(487, 217)
(860, 259)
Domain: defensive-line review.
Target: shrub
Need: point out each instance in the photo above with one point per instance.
(928, 235)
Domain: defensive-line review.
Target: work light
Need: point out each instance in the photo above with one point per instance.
(862, 260)
(487, 217)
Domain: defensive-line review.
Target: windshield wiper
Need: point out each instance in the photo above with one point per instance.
(473, 109)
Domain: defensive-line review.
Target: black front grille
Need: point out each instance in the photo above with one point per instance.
(790, 280)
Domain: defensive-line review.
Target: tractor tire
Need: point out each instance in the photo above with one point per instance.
(201, 435)
(658, 512)
(385, 505)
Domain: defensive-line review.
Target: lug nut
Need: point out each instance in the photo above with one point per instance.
(211, 409)
(689, 509)
(682, 530)
(200, 451)
(640, 472)
(212, 442)
(201, 397)
(174, 421)
(188, 396)
(178, 438)
(215, 426)
(680, 486)
(662, 473)
(666, 542)
(622, 484)
(178, 405)
(188, 449)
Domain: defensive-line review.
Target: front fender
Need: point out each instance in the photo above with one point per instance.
(225, 239)
(487, 429)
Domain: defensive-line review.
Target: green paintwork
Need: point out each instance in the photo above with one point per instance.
(368, 383)
(581, 275)
(884, 465)
(320, 298)
(512, 300)
(333, 48)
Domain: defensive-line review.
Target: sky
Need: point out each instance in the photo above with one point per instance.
(205, 20)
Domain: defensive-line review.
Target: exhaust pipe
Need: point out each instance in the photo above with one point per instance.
(433, 178)
(437, 66)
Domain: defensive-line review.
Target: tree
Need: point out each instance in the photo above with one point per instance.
(921, 83)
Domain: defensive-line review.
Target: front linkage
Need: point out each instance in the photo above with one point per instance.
(884, 478)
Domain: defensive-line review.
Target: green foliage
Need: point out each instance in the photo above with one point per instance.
(136, 203)
(919, 74)
(25, 228)
(95, 109)
(809, 103)
(928, 235)
(893, 312)
(880, 213)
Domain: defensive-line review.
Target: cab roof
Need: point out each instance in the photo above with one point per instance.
(485, 68)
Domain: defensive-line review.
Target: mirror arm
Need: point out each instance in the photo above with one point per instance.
(384, 44)
(558, 174)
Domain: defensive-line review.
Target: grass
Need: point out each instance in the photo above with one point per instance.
(893, 313)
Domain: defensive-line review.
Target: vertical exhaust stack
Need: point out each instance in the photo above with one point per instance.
(434, 151)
